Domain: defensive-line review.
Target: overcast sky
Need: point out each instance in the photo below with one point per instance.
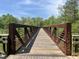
(32, 8)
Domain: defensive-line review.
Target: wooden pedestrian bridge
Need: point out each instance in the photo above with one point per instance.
(51, 42)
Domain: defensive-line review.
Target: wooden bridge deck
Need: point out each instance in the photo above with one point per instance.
(43, 48)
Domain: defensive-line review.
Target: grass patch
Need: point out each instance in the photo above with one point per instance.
(1, 47)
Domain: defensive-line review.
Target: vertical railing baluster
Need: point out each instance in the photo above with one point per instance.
(26, 35)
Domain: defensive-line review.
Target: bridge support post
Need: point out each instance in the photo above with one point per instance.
(11, 41)
(68, 39)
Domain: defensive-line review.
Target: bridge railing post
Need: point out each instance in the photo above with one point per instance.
(68, 39)
(11, 40)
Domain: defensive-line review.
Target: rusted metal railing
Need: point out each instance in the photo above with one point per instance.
(29, 31)
(63, 40)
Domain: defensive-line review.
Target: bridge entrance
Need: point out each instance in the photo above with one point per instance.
(53, 41)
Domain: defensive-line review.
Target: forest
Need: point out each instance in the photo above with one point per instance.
(69, 13)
